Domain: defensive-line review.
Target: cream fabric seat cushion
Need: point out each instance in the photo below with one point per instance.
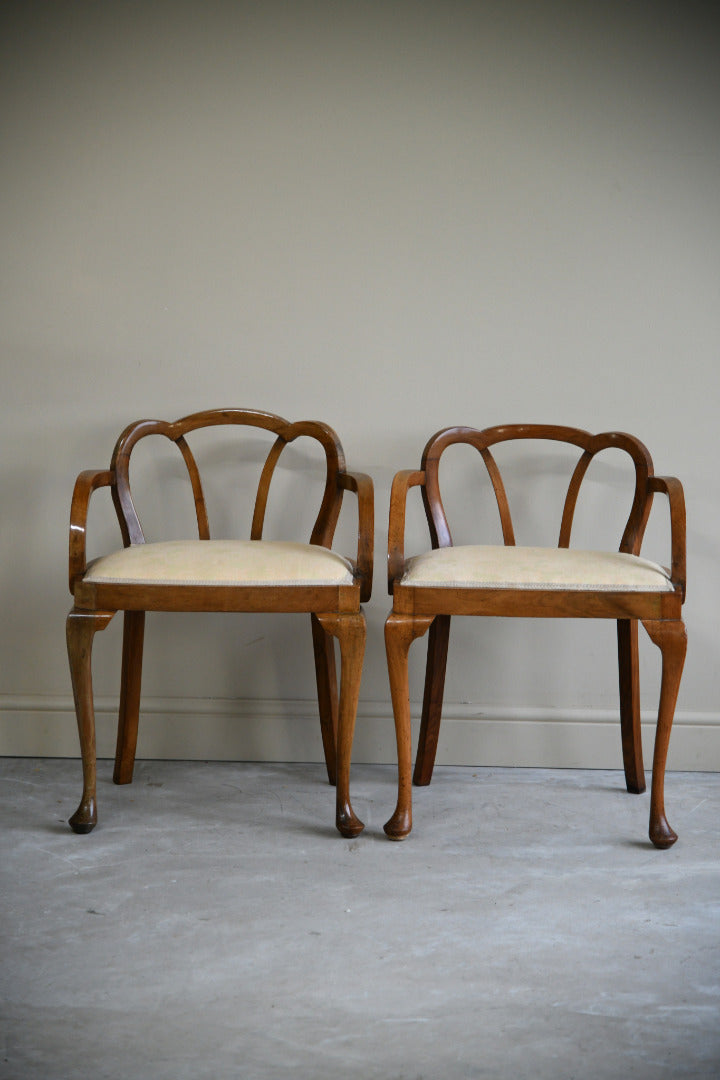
(492, 567)
(221, 562)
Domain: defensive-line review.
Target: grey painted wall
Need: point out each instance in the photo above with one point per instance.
(388, 216)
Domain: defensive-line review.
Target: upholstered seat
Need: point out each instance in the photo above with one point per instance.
(223, 563)
(484, 566)
(534, 582)
(204, 574)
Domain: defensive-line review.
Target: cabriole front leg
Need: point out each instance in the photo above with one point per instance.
(350, 632)
(400, 632)
(670, 637)
(81, 628)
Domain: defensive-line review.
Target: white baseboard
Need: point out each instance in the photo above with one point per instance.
(239, 730)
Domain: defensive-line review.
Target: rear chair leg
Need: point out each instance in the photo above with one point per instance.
(81, 628)
(326, 678)
(132, 656)
(670, 637)
(350, 632)
(432, 700)
(400, 632)
(627, 637)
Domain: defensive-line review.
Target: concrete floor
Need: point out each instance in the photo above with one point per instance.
(214, 925)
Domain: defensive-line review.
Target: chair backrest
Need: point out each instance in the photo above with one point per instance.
(589, 444)
(176, 431)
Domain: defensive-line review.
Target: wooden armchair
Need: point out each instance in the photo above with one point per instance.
(557, 582)
(201, 574)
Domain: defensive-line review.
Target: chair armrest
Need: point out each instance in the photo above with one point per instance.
(402, 482)
(87, 482)
(672, 487)
(362, 485)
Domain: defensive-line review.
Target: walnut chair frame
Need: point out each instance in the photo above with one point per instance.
(330, 588)
(635, 591)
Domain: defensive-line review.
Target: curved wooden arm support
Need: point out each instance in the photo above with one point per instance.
(402, 482)
(671, 486)
(361, 484)
(87, 482)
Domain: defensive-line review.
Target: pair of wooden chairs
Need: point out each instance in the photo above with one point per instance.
(258, 575)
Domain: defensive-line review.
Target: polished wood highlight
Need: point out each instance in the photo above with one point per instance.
(417, 607)
(335, 609)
